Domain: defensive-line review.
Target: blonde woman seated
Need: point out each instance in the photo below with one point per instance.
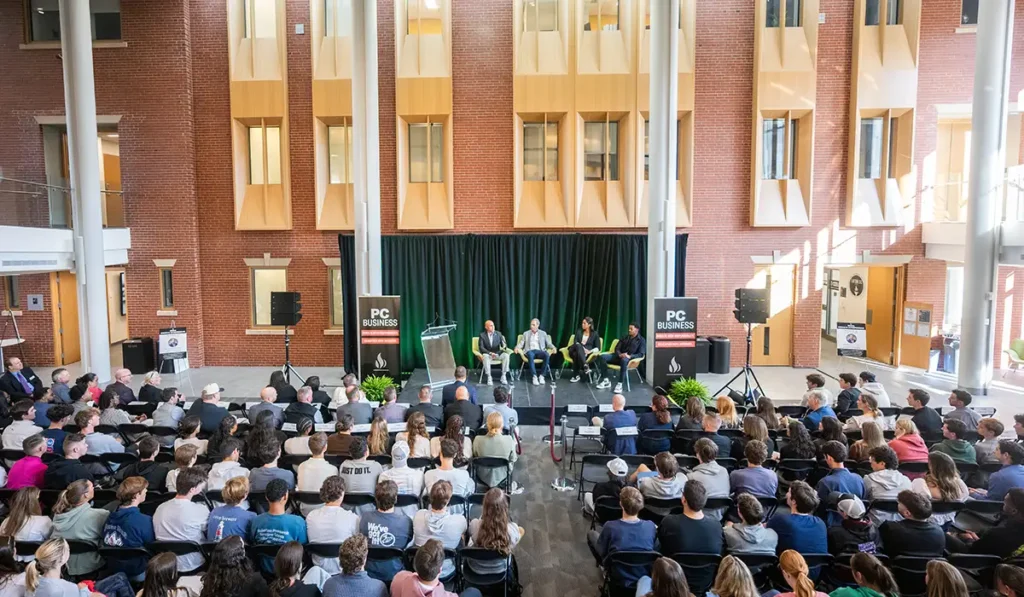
(416, 436)
(494, 445)
(733, 580)
(868, 405)
(42, 576)
(26, 522)
(941, 484)
(797, 575)
(727, 412)
(871, 437)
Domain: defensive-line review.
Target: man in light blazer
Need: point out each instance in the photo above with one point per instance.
(536, 345)
(492, 347)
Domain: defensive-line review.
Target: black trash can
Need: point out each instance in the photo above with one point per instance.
(703, 354)
(138, 355)
(720, 351)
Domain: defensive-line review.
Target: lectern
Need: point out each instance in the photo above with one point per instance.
(437, 350)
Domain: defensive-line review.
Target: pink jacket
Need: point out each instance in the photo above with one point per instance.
(407, 584)
(910, 448)
(26, 472)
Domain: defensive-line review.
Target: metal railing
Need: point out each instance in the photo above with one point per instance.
(48, 205)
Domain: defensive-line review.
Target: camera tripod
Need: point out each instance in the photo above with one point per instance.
(747, 372)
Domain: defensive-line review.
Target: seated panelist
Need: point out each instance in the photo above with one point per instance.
(536, 344)
(585, 344)
(631, 346)
(492, 348)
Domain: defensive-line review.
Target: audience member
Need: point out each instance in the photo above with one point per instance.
(30, 470)
(59, 416)
(692, 531)
(184, 457)
(712, 475)
(416, 436)
(181, 519)
(438, 523)
(162, 578)
(1009, 580)
(494, 445)
(754, 428)
(129, 527)
(908, 444)
(208, 408)
(188, 433)
(750, 535)
(409, 480)
(693, 418)
(471, 413)
(915, 534)
(60, 388)
(340, 443)
(384, 527)
(611, 488)
(111, 413)
(285, 392)
(85, 390)
(275, 527)
(155, 473)
(816, 382)
(766, 412)
(1018, 426)
(666, 580)
(754, 478)
(42, 400)
(303, 408)
(331, 523)
(709, 430)
(462, 484)
(871, 437)
(1011, 455)
(426, 580)
(926, 418)
(502, 397)
(817, 408)
(354, 579)
(960, 400)
(884, 482)
(797, 575)
(453, 431)
(432, 413)
(268, 396)
(359, 473)
(357, 407)
(25, 520)
(659, 419)
(43, 573)
(495, 531)
(798, 444)
(848, 393)
(316, 470)
(448, 393)
(24, 413)
(727, 412)
(868, 385)
(149, 391)
(954, 444)
(64, 471)
(1004, 540)
(288, 573)
(233, 518)
(231, 573)
(829, 430)
(839, 479)
(75, 519)
(168, 413)
(942, 483)
(870, 411)
(260, 478)
(855, 531)
(122, 386)
(616, 443)
(390, 410)
(872, 577)
(990, 430)
(733, 580)
(800, 529)
(229, 468)
(943, 580)
(628, 534)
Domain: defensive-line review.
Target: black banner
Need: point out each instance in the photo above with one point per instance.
(380, 342)
(675, 339)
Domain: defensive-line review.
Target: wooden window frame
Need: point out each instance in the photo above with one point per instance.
(606, 166)
(166, 288)
(12, 293)
(252, 293)
(429, 126)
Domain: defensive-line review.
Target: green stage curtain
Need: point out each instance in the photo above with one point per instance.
(510, 279)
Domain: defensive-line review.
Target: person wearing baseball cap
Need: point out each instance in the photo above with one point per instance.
(856, 532)
(209, 410)
(617, 470)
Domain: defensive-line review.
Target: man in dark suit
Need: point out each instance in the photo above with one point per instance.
(448, 394)
(433, 413)
(493, 348)
(472, 415)
(122, 387)
(19, 381)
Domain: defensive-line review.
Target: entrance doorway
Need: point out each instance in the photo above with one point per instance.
(66, 341)
(772, 342)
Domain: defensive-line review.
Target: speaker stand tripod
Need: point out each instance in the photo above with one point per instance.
(747, 372)
(287, 367)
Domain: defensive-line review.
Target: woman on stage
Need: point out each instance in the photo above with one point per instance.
(587, 343)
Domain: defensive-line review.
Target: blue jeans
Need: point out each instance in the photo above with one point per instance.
(537, 354)
(115, 586)
(605, 359)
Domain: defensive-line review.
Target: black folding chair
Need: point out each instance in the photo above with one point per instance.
(981, 567)
(382, 459)
(605, 510)
(449, 554)
(910, 574)
(792, 411)
(381, 555)
(913, 468)
(424, 463)
(656, 509)
(116, 559)
(617, 581)
(653, 441)
(178, 548)
(727, 463)
(108, 430)
(484, 582)
(493, 463)
(292, 461)
(700, 569)
(9, 457)
(131, 432)
(796, 469)
(26, 548)
(357, 500)
(760, 566)
(593, 470)
(591, 444)
(263, 557)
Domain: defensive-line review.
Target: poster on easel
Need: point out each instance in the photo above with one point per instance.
(172, 350)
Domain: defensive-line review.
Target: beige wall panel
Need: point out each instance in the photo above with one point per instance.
(117, 324)
(333, 58)
(603, 205)
(258, 99)
(423, 96)
(605, 93)
(426, 207)
(543, 93)
(787, 90)
(332, 97)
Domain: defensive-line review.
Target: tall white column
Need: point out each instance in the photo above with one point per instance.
(366, 147)
(661, 223)
(83, 161)
(988, 158)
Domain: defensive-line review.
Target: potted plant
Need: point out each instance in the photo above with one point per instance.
(683, 389)
(374, 385)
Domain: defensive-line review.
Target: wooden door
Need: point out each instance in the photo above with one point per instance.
(772, 342)
(952, 172)
(64, 292)
(881, 316)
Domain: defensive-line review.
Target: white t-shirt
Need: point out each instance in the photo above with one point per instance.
(16, 433)
(14, 587)
(408, 480)
(419, 449)
(330, 524)
(200, 444)
(182, 520)
(534, 342)
(312, 474)
(298, 446)
(462, 483)
(36, 528)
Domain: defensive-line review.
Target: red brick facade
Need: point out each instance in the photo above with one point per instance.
(170, 86)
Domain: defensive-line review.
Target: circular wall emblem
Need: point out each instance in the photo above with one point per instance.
(856, 285)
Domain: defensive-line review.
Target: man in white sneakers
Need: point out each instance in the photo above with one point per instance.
(536, 345)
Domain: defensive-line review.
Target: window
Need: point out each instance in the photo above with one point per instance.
(336, 18)
(601, 150)
(426, 152)
(337, 313)
(793, 10)
(540, 151)
(892, 147)
(871, 147)
(952, 314)
(166, 288)
(264, 154)
(602, 15)
(265, 281)
(339, 147)
(423, 17)
(775, 145)
(969, 12)
(793, 13)
(44, 19)
(647, 149)
(264, 14)
(540, 15)
(12, 296)
(893, 14)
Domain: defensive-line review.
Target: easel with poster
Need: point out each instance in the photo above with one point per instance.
(172, 355)
(916, 334)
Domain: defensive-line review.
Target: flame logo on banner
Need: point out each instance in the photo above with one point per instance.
(380, 363)
(673, 366)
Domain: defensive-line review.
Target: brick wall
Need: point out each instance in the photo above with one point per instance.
(171, 87)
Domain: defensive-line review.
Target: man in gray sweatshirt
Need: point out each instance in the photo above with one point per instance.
(884, 482)
(749, 536)
(437, 523)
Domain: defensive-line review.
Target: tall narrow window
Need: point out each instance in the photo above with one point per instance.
(339, 147)
(540, 15)
(12, 295)
(260, 18)
(423, 17)
(43, 19)
(166, 288)
(793, 10)
(601, 15)
(871, 147)
(337, 312)
(540, 151)
(893, 14)
(772, 14)
(265, 281)
(337, 18)
(426, 152)
(773, 148)
(892, 147)
(969, 12)
(873, 12)
(264, 150)
(793, 136)
(600, 150)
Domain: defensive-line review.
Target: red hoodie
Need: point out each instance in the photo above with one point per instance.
(407, 584)
(910, 448)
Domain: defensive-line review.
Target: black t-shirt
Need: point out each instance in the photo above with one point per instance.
(927, 420)
(300, 589)
(679, 533)
(607, 489)
(432, 413)
(912, 537)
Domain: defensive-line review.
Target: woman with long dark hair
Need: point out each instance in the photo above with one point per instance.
(162, 578)
(26, 522)
(453, 431)
(288, 573)
(87, 384)
(585, 344)
(285, 392)
(872, 578)
(231, 573)
(12, 573)
(416, 436)
(798, 444)
(1009, 581)
(262, 433)
(658, 419)
(766, 410)
(227, 427)
(493, 530)
(667, 579)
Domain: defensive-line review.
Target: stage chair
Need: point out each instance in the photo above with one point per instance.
(567, 360)
(522, 358)
(632, 366)
(480, 357)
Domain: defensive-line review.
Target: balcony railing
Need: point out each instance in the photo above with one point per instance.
(48, 205)
(953, 196)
